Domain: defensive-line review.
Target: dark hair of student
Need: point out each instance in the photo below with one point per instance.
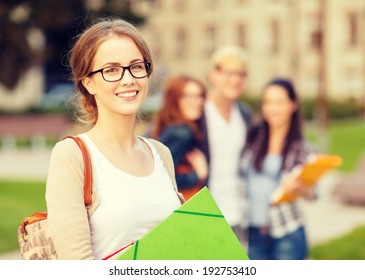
(294, 132)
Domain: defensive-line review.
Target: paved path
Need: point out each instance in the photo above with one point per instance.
(326, 218)
(24, 164)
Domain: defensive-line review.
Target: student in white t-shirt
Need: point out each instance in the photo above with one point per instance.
(225, 124)
(132, 191)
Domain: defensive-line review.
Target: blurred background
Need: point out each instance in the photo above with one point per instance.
(319, 44)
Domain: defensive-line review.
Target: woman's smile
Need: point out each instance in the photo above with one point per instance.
(128, 95)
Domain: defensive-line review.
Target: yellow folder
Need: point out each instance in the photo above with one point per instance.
(309, 175)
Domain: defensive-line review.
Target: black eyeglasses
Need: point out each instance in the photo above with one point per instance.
(138, 70)
(229, 74)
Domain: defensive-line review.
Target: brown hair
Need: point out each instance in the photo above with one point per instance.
(170, 111)
(83, 53)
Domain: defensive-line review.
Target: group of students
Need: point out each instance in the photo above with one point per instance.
(208, 134)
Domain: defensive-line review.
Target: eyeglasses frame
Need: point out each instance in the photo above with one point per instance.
(146, 63)
(230, 74)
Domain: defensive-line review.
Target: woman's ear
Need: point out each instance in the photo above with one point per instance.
(88, 84)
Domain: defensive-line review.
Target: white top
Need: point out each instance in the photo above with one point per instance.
(260, 186)
(129, 206)
(226, 141)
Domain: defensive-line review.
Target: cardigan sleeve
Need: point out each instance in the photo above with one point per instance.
(180, 140)
(68, 221)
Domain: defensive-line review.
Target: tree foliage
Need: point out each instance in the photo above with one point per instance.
(59, 21)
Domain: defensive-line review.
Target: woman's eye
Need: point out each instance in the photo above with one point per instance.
(137, 67)
(112, 70)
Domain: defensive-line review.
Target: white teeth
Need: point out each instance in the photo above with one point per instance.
(127, 94)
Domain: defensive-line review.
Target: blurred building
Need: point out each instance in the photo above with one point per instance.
(26, 94)
(30, 87)
(307, 40)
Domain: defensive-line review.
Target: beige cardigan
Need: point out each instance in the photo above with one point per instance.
(68, 221)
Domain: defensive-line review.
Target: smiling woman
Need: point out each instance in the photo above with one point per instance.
(132, 190)
(114, 89)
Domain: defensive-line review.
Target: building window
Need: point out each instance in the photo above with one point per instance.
(156, 5)
(180, 5)
(210, 40)
(275, 36)
(241, 35)
(316, 39)
(181, 42)
(211, 4)
(353, 31)
(156, 44)
(241, 2)
(315, 34)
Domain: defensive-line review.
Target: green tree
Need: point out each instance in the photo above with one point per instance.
(58, 20)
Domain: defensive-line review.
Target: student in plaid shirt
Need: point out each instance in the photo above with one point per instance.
(274, 153)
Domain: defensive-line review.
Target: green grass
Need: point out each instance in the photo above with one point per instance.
(348, 140)
(345, 138)
(18, 200)
(348, 247)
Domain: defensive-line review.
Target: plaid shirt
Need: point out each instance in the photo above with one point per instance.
(285, 217)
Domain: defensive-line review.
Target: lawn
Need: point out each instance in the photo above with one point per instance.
(348, 140)
(18, 200)
(348, 247)
(345, 138)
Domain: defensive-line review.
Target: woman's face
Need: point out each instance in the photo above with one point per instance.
(277, 108)
(191, 102)
(123, 97)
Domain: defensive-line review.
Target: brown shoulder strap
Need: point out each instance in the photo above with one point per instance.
(166, 159)
(88, 180)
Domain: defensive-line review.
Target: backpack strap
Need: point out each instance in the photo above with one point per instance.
(88, 179)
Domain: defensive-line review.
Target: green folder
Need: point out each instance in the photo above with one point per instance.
(195, 231)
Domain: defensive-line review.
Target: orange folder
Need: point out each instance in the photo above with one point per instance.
(309, 175)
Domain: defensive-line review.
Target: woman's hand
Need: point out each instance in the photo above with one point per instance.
(199, 163)
(292, 183)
